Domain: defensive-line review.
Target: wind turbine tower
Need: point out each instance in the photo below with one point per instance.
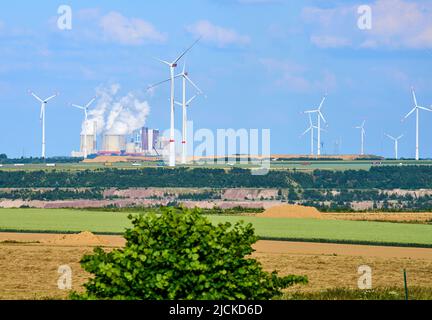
(185, 105)
(172, 65)
(320, 117)
(396, 144)
(416, 109)
(85, 109)
(363, 134)
(311, 130)
(44, 103)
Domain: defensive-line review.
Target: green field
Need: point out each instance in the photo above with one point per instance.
(289, 229)
(275, 165)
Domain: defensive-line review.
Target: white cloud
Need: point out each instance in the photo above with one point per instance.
(128, 31)
(217, 35)
(324, 41)
(395, 24)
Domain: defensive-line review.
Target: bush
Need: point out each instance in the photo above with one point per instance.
(181, 255)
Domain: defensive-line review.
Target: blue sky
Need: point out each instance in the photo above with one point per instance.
(260, 63)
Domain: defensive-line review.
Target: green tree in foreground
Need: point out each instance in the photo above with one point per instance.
(180, 254)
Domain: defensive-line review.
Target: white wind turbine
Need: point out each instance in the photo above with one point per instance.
(320, 116)
(85, 109)
(43, 102)
(417, 111)
(311, 130)
(185, 104)
(363, 134)
(396, 144)
(172, 66)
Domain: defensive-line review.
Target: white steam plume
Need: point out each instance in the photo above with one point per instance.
(117, 115)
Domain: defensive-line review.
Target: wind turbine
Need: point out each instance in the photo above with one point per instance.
(311, 130)
(172, 66)
(417, 111)
(396, 142)
(43, 102)
(185, 104)
(363, 134)
(85, 109)
(320, 116)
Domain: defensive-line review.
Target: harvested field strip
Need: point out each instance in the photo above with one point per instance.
(360, 232)
(37, 276)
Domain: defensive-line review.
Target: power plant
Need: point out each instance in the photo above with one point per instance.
(142, 142)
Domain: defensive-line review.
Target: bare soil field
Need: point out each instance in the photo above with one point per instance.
(297, 211)
(29, 263)
(291, 211)
(388, 217)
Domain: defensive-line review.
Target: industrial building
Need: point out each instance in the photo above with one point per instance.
(149, 140)
(142, 142)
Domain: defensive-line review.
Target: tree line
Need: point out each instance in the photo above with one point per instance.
(389, 177)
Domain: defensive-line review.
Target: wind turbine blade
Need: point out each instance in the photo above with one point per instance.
(186, 51)
(34, 95)
(162, 82)
(390, 137)
(320, 129)
(414, 96)
(190, 100)
(157, 84)
(50, 98)
(311, 111)
(322, 102)
(400, 137)
(163, 61)
(410, 113)
(90, 102)
(322, 117)
(41, 111)
(307, 130)
(193, 84)
(77, 106)
(178, 103)
(310, 120)
(426, 109)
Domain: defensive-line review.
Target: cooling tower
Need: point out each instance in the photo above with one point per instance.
(91, 146)
(114, 143)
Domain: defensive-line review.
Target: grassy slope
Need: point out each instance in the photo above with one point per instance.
(304, 229)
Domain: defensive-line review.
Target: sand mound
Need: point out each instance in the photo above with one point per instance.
(81, 239)
(291, 211)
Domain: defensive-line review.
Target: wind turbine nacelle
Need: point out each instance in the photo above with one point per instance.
(175, 65)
